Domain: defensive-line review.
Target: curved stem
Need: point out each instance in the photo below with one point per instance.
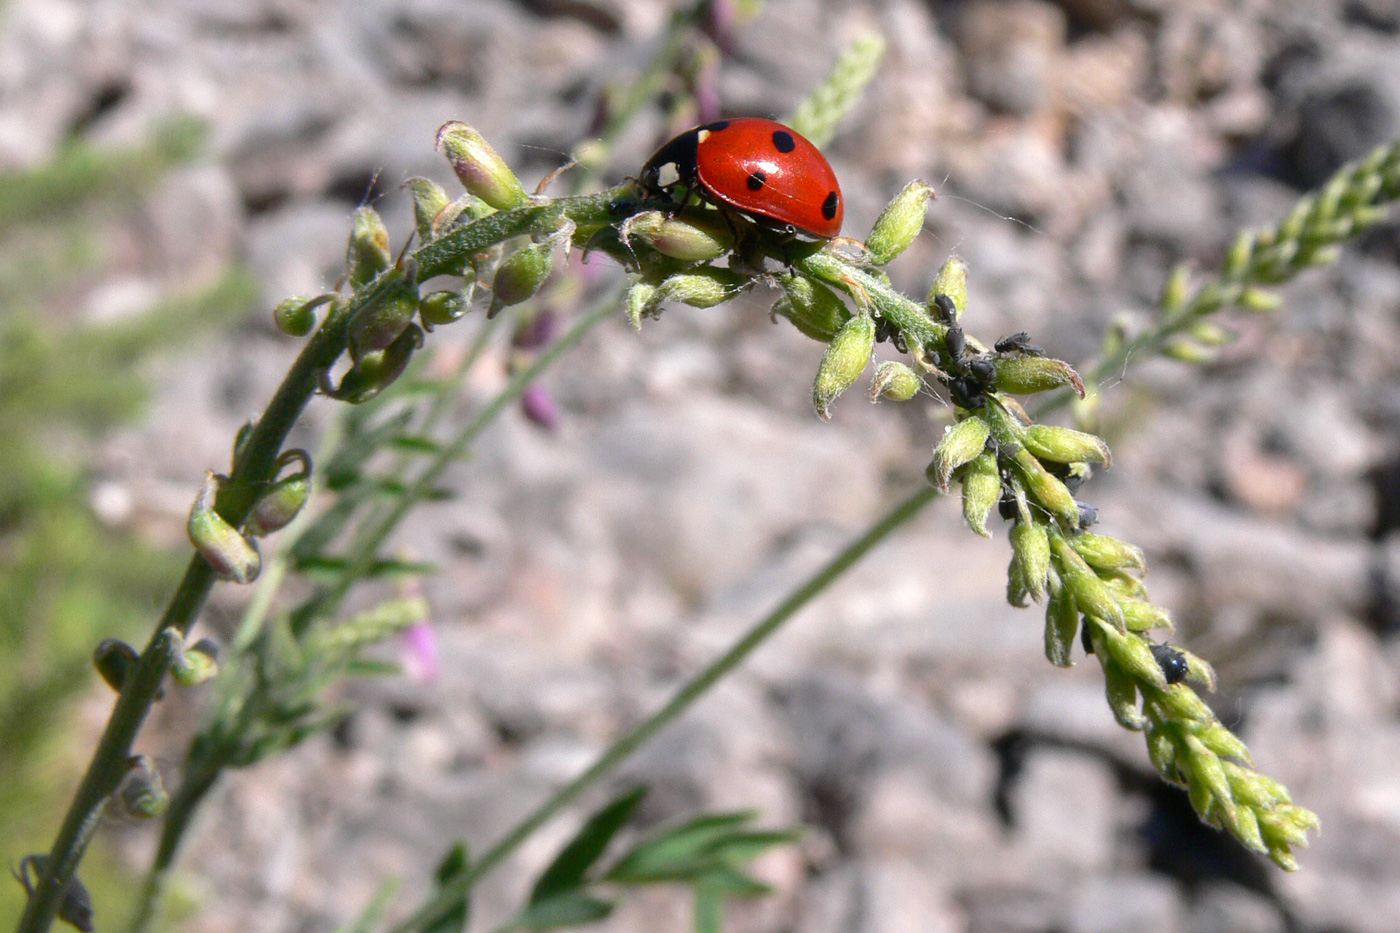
(447, 897)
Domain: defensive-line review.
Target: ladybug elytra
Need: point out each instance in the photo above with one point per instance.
(754, 167)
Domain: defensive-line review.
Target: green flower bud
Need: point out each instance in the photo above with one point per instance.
(1089, 593)
(1061, 625)
(642, 301)
(1161, 748)
(368, 252)
(1257, 299)
(951, 281)
(245, 431)
(232, 556)
(1184, 351)
(1174, 292)
(1123, 584)
(1121, 691)
(1245, 828)
(377, 370)
(481, 171)
(520, 275)
(1046, 489)
(894, 381)
(685, 239)
(1134, 654)
(1211, 334)
(844, 360)
(960, 444)
(1104, 553)
(703, 288)
(1199, 671)
(429, 202)
(1208, 774)
(296, 317)
(380, 324)
(1142, 616)
(196, 663)
(1182, 705)
(444, 307)
(140, 792)
(281, 503)
(1224, 743)
(812, 307)
(981, 489)
(1237, 258)
(1030, 558)
(899, 223)
(1065, 445)
(1026, 375)
(114, 660)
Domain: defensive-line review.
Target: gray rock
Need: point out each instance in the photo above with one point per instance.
(1113, 903)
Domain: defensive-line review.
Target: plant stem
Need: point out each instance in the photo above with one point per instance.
(447, 897)
(373, 534)
(254, 468)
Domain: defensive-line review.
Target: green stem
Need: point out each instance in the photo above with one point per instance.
(447, 897)
(253, 469)
(369, 539)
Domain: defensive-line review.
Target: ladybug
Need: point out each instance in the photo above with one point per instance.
(757, 168)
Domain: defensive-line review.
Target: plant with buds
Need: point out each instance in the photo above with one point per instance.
(270, 692)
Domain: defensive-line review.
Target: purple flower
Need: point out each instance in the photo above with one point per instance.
(539, 406)
(419, 651)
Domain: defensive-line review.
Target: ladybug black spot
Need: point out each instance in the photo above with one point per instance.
(716, 126)
(833, 201)
(756, 180)
(783, 141)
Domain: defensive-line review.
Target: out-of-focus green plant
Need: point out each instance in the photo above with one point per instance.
(66, 579)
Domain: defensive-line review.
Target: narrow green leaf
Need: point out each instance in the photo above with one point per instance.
(375, 910)
(679, 854)
(569, 867)
(564, 910)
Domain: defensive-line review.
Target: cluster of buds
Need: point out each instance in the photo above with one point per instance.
(1090, 585)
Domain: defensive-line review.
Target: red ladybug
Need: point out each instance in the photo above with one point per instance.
(758, 168)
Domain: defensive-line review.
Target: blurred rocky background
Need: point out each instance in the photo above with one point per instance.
(951, 778)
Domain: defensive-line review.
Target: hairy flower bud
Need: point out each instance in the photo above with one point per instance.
(1061, 625)
(844, 360)
(367, 254)
(1140, 616)
(703, 288)
(1030, 559)
(429, 202)
(894, 381)
(140, 792)
(276, 508)
(1174, 292)
(232, 556)
(899, 223)
(481, 171)
(296, 317)
(114, 660)
(1046, 489)
(981, 489)
(812, 307)
(1089, 593)
(685, 239)
(1065, 445)
(1104, 553)
(194, 664)
(1026, 375)
(1185, 351)
(1122, 694)
(520, 275)
(443, 307)
(951, 281)
(1161, 749)
(380, 324)
(642, 302)
(961, 443)
(377, 370)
